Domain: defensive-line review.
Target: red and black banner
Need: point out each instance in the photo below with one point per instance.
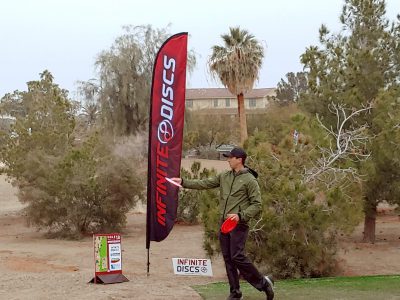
(167, 110)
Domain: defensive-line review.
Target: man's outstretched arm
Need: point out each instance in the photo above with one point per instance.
(199, 184)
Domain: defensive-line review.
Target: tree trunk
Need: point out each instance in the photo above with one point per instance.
(369, 222)
(242, 119)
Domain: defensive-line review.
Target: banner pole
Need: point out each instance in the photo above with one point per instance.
(148, 262)
(169, 79)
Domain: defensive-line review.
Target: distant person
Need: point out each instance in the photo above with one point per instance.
(240, 200)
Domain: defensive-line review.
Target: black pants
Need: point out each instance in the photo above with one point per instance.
(232, 247)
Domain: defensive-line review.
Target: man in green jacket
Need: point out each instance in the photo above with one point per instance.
(240, 200)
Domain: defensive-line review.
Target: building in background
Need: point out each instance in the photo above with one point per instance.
(221, 101)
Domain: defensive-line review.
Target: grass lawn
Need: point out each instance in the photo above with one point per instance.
(352, 288)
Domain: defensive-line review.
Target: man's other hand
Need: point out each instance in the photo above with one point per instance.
(234, 217)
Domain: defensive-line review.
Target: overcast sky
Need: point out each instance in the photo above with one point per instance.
(64, 36)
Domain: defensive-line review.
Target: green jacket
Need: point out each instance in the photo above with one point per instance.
(239, 193)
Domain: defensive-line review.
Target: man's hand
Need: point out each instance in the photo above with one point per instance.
(177, 180)
(234, 217)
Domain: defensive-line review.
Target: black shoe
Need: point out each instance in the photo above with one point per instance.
(235, 296)
(269, 287)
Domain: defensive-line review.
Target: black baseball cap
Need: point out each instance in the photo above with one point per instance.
(237, 152)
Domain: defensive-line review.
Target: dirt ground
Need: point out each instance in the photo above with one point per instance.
(381, 258)
(33, 267)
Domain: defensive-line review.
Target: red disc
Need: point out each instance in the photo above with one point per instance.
(228, 225)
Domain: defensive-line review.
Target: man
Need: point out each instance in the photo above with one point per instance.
(240, 200)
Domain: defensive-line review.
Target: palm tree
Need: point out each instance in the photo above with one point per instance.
(91, 112)
(237, 64)
(90, 108)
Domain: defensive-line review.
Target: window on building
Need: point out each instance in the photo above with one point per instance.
(227, 102)
(252, 103)
(215, 103)
(189, 103)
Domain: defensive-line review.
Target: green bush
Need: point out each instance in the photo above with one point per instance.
(203, 204)
(300, 223)
(296, 235)
(70, 189)
(84, 192)
(191, 201)
(209, 213)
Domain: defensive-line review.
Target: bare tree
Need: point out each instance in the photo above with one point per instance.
(257, 232)
(346, 142)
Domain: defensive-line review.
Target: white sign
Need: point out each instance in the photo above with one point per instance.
(192, 266)
(114, 251)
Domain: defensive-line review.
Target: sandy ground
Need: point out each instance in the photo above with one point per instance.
(33, 267)
(381, 258)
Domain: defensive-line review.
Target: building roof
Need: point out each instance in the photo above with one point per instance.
(211, 93)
